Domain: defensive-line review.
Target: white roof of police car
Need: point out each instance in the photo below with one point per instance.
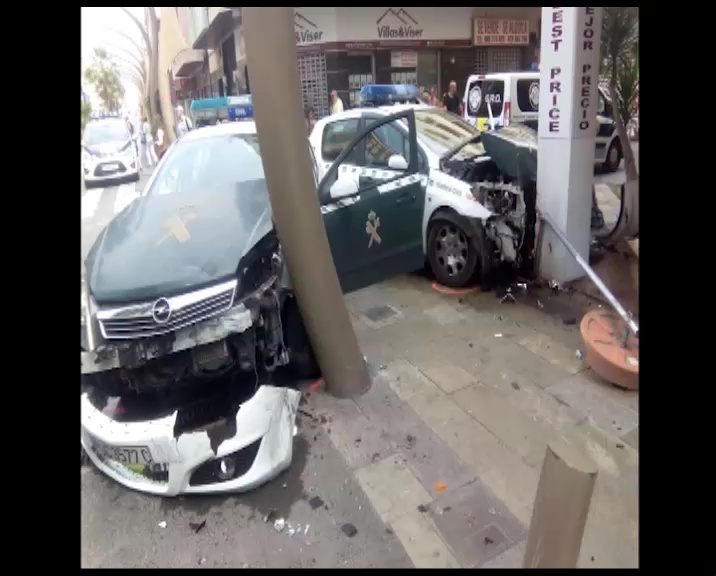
(223, 129)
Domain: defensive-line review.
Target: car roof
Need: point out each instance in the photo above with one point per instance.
(223, 129)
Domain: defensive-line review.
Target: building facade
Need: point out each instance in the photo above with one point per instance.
(344, 48)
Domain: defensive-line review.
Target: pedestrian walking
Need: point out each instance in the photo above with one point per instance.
(451, 101)
(310, 120)
(183, 125)
(336, 103)
(147, 141)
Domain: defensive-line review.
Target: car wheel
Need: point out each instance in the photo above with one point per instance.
(614, 156)
(452, 253)
(303, 361)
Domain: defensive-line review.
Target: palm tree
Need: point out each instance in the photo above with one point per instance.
(103, 74)
(620, 65)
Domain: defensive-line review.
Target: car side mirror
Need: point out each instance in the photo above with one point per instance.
(397, 162)
(343, 187)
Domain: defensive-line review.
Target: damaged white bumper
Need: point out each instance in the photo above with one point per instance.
(145, 456)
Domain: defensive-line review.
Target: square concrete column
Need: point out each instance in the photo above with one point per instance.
(569, 77)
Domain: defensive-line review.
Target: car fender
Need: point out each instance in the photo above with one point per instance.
(444, 191)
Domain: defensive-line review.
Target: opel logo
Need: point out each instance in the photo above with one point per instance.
(161, 311)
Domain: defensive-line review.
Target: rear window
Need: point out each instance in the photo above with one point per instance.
(528, 95)
(336, 135)
(480, 92)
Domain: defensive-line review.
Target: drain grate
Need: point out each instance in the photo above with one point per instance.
(381, 313)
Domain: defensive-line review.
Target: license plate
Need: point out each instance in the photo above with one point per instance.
(110, 167)
(126, 455)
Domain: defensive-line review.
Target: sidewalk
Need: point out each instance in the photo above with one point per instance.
(448, 444)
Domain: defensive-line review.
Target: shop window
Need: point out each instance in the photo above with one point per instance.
(336, 135)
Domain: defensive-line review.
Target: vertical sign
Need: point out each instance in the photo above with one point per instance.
(569, 72)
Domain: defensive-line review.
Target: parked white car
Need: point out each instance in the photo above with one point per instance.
(108, 151)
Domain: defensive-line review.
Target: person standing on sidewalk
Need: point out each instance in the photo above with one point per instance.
(160, 146)
(147, 141)
(451, 101)
(336, 103)
(184, 125)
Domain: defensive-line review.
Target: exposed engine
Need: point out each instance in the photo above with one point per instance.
(248, 351)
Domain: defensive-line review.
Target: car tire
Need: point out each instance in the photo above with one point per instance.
(303, 363)
(614, 156)
(448, 239)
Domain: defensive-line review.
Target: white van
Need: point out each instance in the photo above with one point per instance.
(514, 97)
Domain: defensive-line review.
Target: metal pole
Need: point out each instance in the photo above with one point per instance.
(271, 59)
(633, 326)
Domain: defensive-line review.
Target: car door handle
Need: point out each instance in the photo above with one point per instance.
(405, 198)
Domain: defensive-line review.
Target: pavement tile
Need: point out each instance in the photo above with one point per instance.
(470, 514)
(446, 375)
(509, 477)
(396, 495)
(406, 380)
(511, 558)
(444, 314)
(554, 352)
(632, 438)
(404, 430)
(627, 398)
(589, 399)
(523, 434)
(436, 408)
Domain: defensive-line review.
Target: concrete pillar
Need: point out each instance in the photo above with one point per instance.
(569, 76)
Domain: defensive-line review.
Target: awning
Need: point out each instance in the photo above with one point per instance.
(221, 23)
(187, 63)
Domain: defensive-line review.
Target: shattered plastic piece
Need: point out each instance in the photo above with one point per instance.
(349, 530)
(270, 516)
(197, 526)
(284, 485)
(554, 285)
(305, 532)
(423, 508)
(578, 354)
(279, 524)
(291, 531)
(162, 524)
(295, 430)
(498, 335)
(202, 561)
(540, 305)
(440, 486)
(493, 511)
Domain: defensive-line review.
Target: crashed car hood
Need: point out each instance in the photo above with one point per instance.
(514, 150)
(169, 244)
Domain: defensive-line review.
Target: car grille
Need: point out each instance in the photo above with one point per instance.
(140, 320)
(100, 171)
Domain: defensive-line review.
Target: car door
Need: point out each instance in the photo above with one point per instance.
(375, 230)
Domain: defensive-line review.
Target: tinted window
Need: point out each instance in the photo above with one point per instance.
(336, 135)
(105, 132)
(528, 95)
(218, 163)
(384, 142)
(482, 91)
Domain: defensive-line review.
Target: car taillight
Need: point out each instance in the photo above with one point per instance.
(506, 114)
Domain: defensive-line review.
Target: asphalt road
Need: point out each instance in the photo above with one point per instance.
(120, 528)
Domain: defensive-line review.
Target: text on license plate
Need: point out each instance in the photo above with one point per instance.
(110, 167)
(127, 455)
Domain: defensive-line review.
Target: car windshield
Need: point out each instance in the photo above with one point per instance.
(211, 164)
(105, 132)
(441, 131)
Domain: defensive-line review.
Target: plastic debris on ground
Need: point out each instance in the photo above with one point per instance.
(349, 530)
(279, 524)
(162, 524)
(197, 526)
(578, 354)
(440, 486)
(498, 335)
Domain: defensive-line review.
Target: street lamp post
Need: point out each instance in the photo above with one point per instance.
(277, 101)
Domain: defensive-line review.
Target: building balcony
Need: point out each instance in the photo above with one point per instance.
(187, 63)
(220, 23)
